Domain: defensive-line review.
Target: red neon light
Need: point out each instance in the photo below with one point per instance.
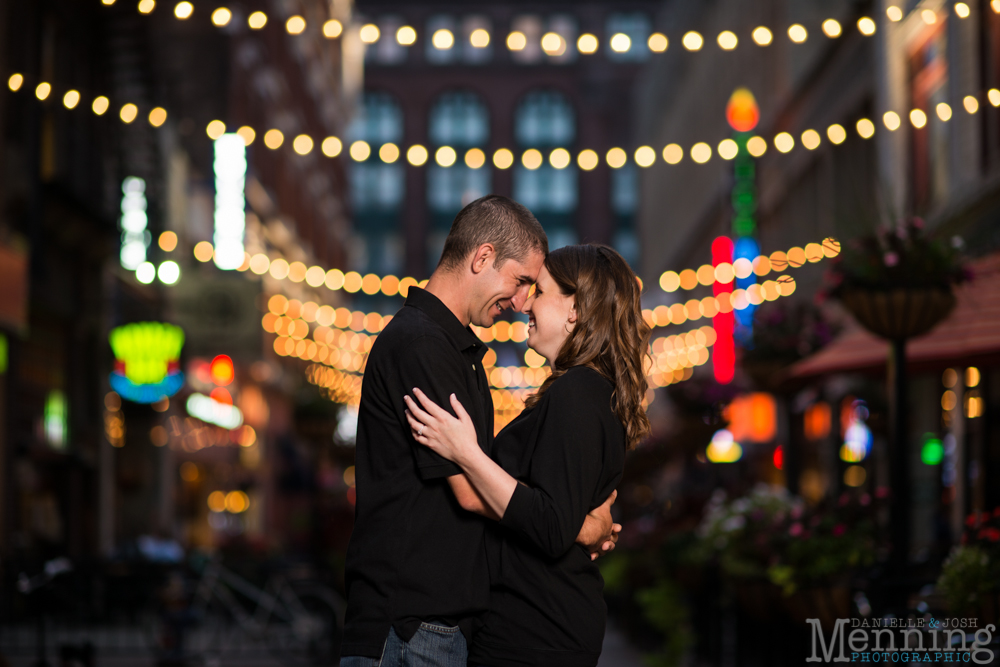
(742, 112)
(724, 350)
(779, 458)
(222, 370)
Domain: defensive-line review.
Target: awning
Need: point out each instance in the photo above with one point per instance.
(971, 333)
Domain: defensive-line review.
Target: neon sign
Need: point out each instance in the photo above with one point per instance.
(147, 361)
(230, 200)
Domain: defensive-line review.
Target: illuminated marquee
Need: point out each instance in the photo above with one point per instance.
(147, 361)
(135, 237)
(230, 200)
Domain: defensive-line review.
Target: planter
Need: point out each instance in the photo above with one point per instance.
(901, 313)
(827, 604)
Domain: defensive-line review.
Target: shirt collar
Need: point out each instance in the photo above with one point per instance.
(433, 307)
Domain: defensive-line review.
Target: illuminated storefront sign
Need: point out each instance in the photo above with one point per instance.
(214, 412)
(230, 200)
(135, 237)
(147, 361)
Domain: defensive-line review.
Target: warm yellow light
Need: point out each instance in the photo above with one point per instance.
(257, 20)
(692, 41)
(443, 39)
(616, 158)
(811, 139)
(416, 155)
(971, 104)
(762, 36)
(215, 129)
(302, 144)
(553, 44)
(516, 41)
(531, 159)
(295, 25)
(279, 269)
(645, 156)
(274, 138)
(972, 376)
(962, 10)
(388, 153)
(727, 40)
(71, 99)
(891, 120)
(587, 43)
(943, 110)
(855, 476)
(673, 153)
(479, 38)
(701, 152)
(100, 105)
(866, 26)
(260, 263)
(894, 13)
(128, 112)
(237, 501)
(222, 17)
(587, 159)
(247, 134)
(728, 149)
(406, 35)
(360, 150)
(15, 82)
(756, 146)
(203, 251)
(797, 33)
(866, 128)
(831, 28)
(369, 33)
(475, 158)
(331, 146)
(43, 90)
(784, 142)
(183, 10)
(333, 29)
(836, 133)
(995, 5)
(107, 3)
(167, 241)
(217, 501)
(560, 158)
(994, 96)
(929, 16)
(670, 281)
(620, 42)
(918, 118)
(657, 42)
(445, 156)
(503, 158)
(146, 6)
(157, 116)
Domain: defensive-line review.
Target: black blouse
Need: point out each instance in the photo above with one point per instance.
(546, 602)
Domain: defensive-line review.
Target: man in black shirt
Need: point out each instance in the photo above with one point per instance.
(416, 571)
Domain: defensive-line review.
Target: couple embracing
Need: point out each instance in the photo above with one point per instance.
(470, 550)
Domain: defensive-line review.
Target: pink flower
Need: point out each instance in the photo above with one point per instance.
(839, 530)
(795, 530)
(882, 492)
(918, 223)
(891, 259)
(866, 500)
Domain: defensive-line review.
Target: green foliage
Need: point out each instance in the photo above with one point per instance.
(663, 606)
(972, 570)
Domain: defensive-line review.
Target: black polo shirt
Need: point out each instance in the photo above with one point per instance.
(415, 554)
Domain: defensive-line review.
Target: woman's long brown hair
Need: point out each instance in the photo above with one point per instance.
(610, 335)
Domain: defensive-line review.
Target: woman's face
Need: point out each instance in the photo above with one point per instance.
(551, 316)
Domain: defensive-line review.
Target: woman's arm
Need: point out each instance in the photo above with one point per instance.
(455, 440)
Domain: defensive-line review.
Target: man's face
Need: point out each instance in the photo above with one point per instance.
(503, 288)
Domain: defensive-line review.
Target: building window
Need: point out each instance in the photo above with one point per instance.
(387, 50)
(545, 120)
(625, 190)
(928, 72)
(477, 40)
(459, 120)
(377, 188)
(636, 27)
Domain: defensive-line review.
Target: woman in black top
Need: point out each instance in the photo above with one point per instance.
(555, 462)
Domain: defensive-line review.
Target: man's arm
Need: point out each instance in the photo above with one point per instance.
(599, 532)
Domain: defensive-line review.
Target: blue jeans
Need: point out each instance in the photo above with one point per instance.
(432, 645)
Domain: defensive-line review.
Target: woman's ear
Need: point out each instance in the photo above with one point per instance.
(572, 314)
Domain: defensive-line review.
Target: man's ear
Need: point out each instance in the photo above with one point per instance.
(483, 257)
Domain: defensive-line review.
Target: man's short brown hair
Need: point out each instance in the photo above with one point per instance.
(510, 227)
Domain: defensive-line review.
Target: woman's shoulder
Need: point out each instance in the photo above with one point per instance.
(580, 382)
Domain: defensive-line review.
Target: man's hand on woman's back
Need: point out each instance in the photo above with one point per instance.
(599, 531)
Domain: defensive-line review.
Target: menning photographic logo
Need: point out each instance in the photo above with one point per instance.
(903, 640)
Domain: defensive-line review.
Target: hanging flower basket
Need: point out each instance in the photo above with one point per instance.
(899, 313)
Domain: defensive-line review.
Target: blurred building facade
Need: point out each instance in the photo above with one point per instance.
(101, 103)
(941, 166)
